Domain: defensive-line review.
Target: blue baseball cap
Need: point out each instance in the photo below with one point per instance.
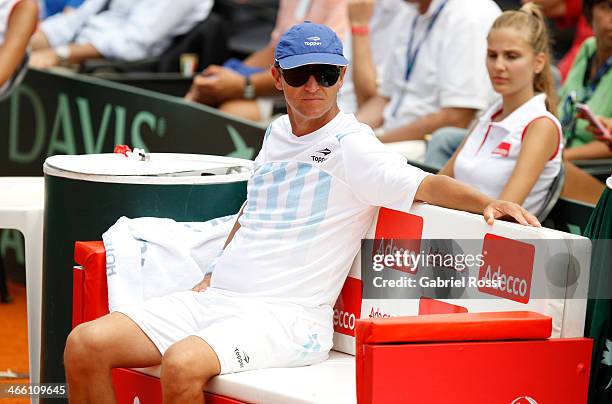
(309, 44)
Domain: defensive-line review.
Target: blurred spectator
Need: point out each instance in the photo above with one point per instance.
(52, 7)
(18, 20)
(436, 77)
(374, 25)
(565, 14)
(241, 88)
(606, 122)
(514, 152)
(589, 82)
(115, 29)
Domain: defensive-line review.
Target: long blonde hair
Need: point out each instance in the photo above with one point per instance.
(531, 20)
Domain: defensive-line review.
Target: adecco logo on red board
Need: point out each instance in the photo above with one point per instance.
(509, 264)
(398, 232)
(348, 307)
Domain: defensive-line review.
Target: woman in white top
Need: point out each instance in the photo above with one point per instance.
(514, 151)
(18, 19)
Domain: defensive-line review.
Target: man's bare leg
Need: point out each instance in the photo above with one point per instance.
(186, 368)
(94, 348)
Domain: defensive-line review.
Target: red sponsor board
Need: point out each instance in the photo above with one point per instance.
(348, 307)
(509, 264)
(396, 233)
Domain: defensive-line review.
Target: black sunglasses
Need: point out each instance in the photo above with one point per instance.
(326, 75)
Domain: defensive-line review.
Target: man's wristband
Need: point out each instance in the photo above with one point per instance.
(63, 53)
(360, 30)
(249, 89)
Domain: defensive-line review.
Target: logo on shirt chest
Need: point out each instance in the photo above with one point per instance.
(320, 155)
(502, 149)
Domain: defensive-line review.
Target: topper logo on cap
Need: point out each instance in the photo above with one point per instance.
(313, 41)
(309, 44)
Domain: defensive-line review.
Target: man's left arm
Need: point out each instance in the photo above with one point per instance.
(380, 177)
(205, 283)
(45, 58)
(447, 192)
(457, 117)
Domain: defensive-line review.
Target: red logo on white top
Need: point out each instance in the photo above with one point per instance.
(502, 149)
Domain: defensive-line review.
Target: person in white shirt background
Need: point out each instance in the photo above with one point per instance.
(514, 152)
(114, 29)
(374, 26)
(317, 181)
(436, 77)
(18, 19)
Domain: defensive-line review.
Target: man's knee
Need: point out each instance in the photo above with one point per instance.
(81, 345)
(184, 364)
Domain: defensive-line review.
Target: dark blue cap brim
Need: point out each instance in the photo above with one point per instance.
(291, 62)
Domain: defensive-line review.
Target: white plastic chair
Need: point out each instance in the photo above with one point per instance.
(21, 208)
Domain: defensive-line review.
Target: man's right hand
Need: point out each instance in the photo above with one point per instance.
(215, 85)
(203, 285)
(43, 59)
(360, 12)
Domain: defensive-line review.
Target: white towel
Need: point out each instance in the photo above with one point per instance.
(149, 257)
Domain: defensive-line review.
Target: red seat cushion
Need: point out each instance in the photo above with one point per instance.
(454, 327)
(93, 298)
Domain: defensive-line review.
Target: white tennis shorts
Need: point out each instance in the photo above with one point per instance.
(245, 333)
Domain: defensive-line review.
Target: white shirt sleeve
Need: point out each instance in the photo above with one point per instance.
(148, 25)
(61, 28)
(378, 176)
(463, 77)
(389, 72)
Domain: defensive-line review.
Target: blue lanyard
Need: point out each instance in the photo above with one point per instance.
(568, 120)
(412, 55)
(592, 85)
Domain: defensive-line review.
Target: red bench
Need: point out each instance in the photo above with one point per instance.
(474, 358)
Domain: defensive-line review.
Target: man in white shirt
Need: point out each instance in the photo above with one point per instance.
(437, 76)
(115, 29)
(316, 184)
